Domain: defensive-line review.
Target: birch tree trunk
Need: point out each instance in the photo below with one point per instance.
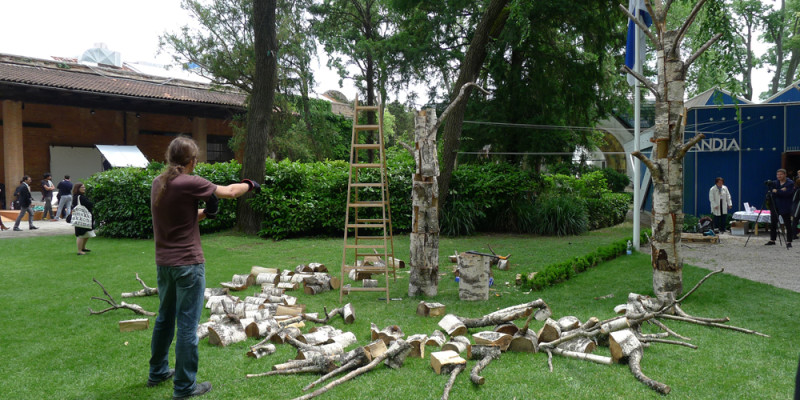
(424, 251)
(669, 149)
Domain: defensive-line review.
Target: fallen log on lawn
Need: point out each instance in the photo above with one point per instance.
(455, 370)
(484, 353)
(144, 291)
(509, 314)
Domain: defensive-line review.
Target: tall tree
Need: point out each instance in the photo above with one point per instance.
(774, 32)
(259, 116)
(669, 149)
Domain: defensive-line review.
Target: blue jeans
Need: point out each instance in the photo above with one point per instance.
(180, 292)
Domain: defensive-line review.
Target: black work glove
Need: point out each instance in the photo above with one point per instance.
(212, 207)
(254, 186)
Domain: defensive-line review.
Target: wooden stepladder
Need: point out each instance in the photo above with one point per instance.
(368, 220)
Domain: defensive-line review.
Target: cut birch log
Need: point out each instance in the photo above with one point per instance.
(579, 345)
(348, 313)
(255, 300)
(388, 334)
(541, 313)
(317, 267)
(290, 310)
(568, 323)
(398, 358)
(240, 279)
(370, 283)
(452, 325)
(622, 344)
(261, 328)
(440, 359)
(507, 328)
(302, 268)
(349, 363)
(503, 265)
(285, 334)
(316, 338)
(459, 344)
(473, 272)
(417, 343)
(261, 351)
(526, 342)
(236, 287)
(115, 306)
(328, 350)
(287, 286)
(590, 323)
(396, 263)
(209, 292)
(143, 292)
(263, 278)
(426, 309)
(344, 339)
(231, 300)
(226, 333)
(549, 332)
(375, 349)
(436, 339)
(583, 356)
(497, 339)
(484, 353)
(134, 325)
(255, 270)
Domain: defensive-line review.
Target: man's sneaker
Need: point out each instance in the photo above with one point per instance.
(150, 382)
(16, 228)
(770, 243)
(789, 245)
(199, 390)
(33, 227)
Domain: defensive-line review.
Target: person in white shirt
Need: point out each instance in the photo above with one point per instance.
(720, 198)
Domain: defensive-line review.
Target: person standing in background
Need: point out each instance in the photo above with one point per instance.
(64, 197)
(25, 200)
(82, 235)
(720, 198)
(47, 196)
(782, 193)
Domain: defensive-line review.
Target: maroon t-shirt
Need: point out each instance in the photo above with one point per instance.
(177, 235)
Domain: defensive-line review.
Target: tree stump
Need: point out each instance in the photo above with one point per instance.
(473, 272)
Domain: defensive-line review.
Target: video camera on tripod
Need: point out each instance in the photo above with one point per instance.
(770, 184)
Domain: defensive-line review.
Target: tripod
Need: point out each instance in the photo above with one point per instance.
(769, 202)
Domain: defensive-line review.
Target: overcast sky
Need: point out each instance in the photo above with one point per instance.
(44, 28)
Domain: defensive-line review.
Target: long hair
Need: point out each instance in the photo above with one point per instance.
(76, 190)
(180, 153)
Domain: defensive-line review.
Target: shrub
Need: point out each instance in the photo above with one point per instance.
(617, 181)
(609, 210)
(560, 215)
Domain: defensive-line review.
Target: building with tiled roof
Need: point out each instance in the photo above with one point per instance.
(52, 106)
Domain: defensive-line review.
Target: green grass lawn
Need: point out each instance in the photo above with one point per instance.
(52, 348)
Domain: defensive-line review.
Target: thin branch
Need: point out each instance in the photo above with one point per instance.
(667, 6)
(700, 51)
(688, 146)
(685, 27)
(667, 329)
(646, 82)
(455, 102)
(667, 341)
(714, 324)
(640, 24)
(679, 301)
(654, 171)
(407, 147)
(453, 374)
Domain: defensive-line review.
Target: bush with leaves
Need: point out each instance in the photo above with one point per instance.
(122, 198)
(560, 215)
(609, 210)
(617, 181)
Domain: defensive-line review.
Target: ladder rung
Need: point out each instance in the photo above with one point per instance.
(348, 268)
(377, 226)
(366, 165)
(366, 127)
(371, 255)
(366, 108)
(366, 146)
(367, 184)
(363, 246)
(366, 204)
(365, 289)
(372, 220)
(372, 237)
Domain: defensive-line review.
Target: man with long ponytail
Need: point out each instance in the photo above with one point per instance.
(174, 202)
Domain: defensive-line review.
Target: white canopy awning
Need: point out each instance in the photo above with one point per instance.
(123, 156)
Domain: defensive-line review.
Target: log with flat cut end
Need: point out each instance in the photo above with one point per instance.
(436, 339)
(398, 358)
(272, 278)
(440, 359)
(344, 339)
(209, 292)
(236, 287)
(614, 325)
(459, 344)
(568, 323)
(317, 267)
(375, 349)
(255, 270)
(257, 300)
(453, 325)
(388, 334)
(261, 351)
(143, 292)
(549, 332)
(526, 342)
(261, 328)
(134, 325)
(317, 337)
(226, 333)
(507, 328)
(590, 323)
(417, 343)
(285, 334)
(497, 339)
(503, 265)
(579, 344)
(348, 313)
(583, 356)
(485, 354)
(290, 310)
(473, 272)
(370, 283)
(622, 344)
(287, 285)
(331, 349)
(426, 309)
(271, 290)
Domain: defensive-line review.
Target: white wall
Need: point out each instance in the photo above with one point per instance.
(77, 162)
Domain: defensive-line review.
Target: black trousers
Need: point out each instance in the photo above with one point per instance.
(773, 226)
(719, 222)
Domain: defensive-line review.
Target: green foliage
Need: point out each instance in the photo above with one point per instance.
(122, 199)
(560, 215)
(617, 181)
(610, 209)
(690, 223)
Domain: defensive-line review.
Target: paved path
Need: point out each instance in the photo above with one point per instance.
(46, 228)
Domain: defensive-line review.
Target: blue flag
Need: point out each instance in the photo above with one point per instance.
(636, 8)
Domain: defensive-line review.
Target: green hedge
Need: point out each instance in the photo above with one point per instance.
(122, 199)
(301, 199)
(559, 272)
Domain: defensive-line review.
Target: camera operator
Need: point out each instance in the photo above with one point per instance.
(782, 191)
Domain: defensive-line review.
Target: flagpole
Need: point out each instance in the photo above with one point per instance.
(637, 66)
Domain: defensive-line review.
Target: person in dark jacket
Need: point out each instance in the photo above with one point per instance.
(796, 208)
(47, 196)
(782, 193)
(25, 200)
(82, 234)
